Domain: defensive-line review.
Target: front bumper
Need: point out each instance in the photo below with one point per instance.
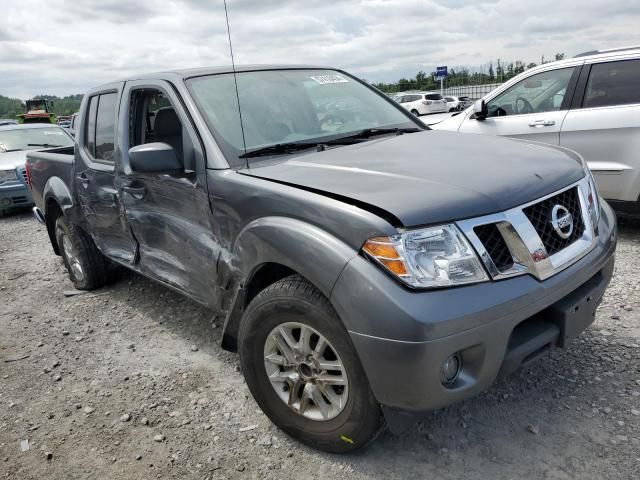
(14, 195)
(403, 337)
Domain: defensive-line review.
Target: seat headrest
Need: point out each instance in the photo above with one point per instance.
(167, 123)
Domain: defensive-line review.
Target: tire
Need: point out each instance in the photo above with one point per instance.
(293, 301)
(88, 268)
(415, 112)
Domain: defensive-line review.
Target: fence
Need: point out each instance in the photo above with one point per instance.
(473, 91)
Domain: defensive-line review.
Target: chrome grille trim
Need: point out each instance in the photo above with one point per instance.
(529, 253)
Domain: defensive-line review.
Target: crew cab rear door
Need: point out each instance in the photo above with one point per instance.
(94, 175)
(168, 211)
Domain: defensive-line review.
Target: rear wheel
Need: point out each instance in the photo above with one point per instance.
(303, 371)
(87, 267)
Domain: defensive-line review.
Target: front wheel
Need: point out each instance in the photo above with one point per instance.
(303, 371)
(415, 112)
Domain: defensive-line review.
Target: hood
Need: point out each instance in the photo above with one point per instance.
(432, 176)
(13, 160)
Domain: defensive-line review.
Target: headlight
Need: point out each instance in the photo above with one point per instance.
(593, 200)
(7, 175)
(429, 257)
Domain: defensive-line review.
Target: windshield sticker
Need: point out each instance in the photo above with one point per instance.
(324, 79)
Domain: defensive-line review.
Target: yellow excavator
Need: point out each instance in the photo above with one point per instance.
(38, 111)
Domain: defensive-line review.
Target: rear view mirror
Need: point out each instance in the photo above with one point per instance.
(480, 110)
(154, 157)
(532, 84)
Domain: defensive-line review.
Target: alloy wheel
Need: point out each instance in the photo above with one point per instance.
(71, 254)
(306, 371)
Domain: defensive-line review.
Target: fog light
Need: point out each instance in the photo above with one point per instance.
(450, 369)
(5, 202)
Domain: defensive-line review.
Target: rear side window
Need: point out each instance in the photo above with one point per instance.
(106, 127)
(90, 131)
(99, 136)
(433, 96)
(613, 83)
(449, 99)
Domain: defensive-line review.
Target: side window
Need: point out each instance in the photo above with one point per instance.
(152, 118)
(613, 83)
(543, 92)
(90, 131)
(106, 127)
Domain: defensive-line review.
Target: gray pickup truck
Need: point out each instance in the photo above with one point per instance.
(366, 267)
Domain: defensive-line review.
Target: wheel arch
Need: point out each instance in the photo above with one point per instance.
(53, 211)
(57, 200)
(273, 248)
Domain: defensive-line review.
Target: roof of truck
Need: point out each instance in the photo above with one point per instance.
(198, 72)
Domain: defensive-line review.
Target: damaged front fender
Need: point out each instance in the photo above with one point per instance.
(290, 243)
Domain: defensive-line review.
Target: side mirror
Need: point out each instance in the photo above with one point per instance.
(480, 110)
(154, 157)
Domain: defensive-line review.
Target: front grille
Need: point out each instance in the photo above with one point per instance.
(17, 200)
(540, 217)
(495, 245)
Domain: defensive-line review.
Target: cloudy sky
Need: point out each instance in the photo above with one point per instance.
(66, 46)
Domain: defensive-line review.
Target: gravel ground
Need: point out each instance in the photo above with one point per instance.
(129, 382)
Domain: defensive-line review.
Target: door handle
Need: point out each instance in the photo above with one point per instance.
(542, 123)
(83, 179)
(135, 192)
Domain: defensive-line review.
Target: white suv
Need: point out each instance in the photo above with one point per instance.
(422, 103)
(589, 103)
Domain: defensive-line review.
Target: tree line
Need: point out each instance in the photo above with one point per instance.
(10, 107)
(499, 72)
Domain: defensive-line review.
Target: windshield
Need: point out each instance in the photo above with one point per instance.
(33, 138)
(282, 106)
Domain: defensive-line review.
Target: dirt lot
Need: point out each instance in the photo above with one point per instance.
(129, 382)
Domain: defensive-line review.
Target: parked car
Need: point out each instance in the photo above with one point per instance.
(453, 103)
(589, 103)
(7, 121)
(15, 142)
(465, 102)
(75, 119)
(363, 264)
(423, 103)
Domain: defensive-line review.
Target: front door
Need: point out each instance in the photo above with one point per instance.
(94, 180)
(533, 109)
(168, 212)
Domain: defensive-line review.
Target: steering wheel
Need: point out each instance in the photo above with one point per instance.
(333, 122)
(526, 106)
